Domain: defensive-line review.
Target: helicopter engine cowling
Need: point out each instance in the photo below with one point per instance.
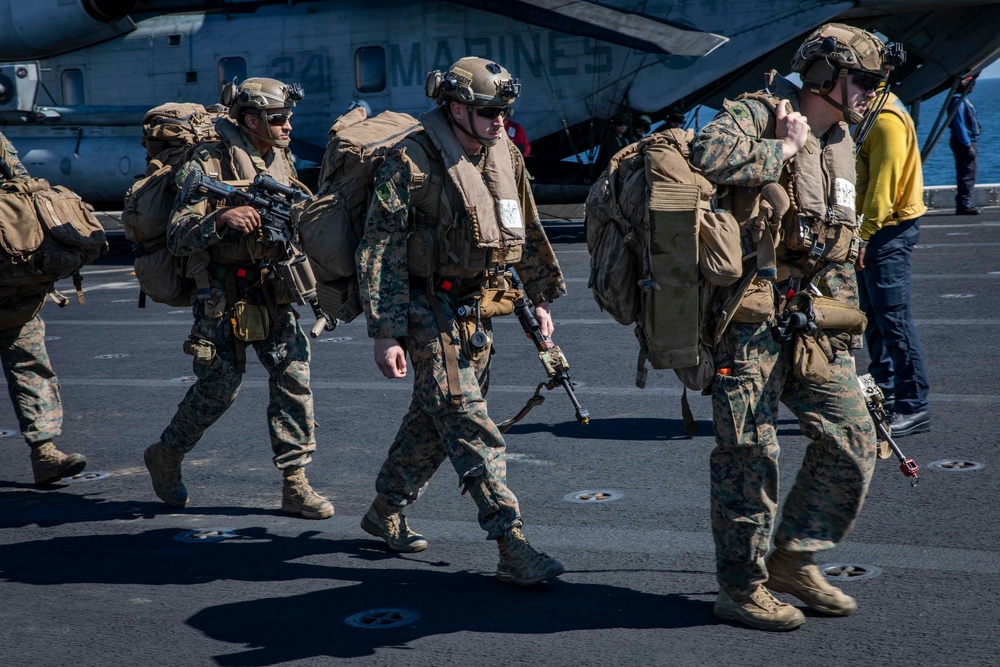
(40, 28)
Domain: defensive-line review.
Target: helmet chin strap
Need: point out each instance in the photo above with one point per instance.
(850, 115)
(485, 141)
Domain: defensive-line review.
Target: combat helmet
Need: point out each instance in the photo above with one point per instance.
(834, 50)
(476, 82)
(259, 94)
(256, 96)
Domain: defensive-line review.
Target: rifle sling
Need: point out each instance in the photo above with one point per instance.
(537, 399)
(450, 349)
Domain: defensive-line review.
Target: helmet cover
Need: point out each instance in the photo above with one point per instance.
(477, 82)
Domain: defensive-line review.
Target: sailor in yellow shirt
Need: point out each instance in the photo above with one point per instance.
(890, 199)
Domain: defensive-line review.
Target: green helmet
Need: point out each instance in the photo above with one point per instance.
(259, 94)
(477, 82)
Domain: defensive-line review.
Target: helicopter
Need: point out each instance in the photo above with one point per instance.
(77, 76)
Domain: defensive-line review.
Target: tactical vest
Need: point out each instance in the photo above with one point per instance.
(469, 219)
(235, 161)
(820, 224)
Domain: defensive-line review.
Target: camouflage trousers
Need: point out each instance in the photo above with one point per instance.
(31, 382)
(290, 408)
(436, 428)
(831, 485)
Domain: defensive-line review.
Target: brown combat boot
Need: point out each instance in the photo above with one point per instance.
(50, 465)
(388, 523)
(797, 575)
(758, 609)
(164, 465)
(521, 564)
(297, 497)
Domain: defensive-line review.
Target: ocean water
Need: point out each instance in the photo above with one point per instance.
(939, 169)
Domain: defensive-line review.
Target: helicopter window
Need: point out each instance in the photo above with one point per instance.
(173, 40)
(72, 87)
(369, 69)
(230, 69)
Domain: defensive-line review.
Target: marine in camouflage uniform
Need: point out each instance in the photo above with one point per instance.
(447, 418)
(754, 371)
(256, 143)
(31, 382)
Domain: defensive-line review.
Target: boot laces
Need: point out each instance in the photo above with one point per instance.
(525, 556)
(764, 599)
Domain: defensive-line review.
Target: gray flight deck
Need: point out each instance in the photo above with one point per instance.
(91, 572)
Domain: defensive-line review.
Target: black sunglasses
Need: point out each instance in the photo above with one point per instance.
(492, 112)
(867, 80)
(278, 118)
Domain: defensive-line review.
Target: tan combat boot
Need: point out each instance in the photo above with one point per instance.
(297, 497)
(758, 609)
(164, 465)
(798, 575)
(50, 465)
(521, 564)
(388, 523)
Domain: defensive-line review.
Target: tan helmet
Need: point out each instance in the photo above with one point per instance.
(835, 48)
(833, 51)
(259, 94)
(477, 82)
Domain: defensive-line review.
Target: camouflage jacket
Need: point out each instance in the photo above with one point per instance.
(726, 154)
(192, 226)
(737, 148)
(9, 153)
(382, 255)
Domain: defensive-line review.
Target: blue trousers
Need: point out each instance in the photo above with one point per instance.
(897, 357)
(966, 166)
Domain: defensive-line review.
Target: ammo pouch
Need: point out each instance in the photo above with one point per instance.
(815, 350)
(833, 243)
(203, 351)
(834, 314)
(496, 302)
(828, 313)
(497, 299)
(811, 357)
(250, 321)
(757, 304)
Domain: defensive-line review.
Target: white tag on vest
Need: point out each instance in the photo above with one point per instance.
(510, 214)
(843, 193)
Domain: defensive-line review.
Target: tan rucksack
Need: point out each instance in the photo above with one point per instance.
(331, 224)
(170, 132)
(46, 234)
(658, 250)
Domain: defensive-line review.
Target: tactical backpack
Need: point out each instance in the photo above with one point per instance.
(170, 133)
(659, 250)
(46, 234)
(331, 225)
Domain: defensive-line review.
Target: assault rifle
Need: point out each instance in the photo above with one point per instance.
(273, 201)
(873, 401)
(552, 358)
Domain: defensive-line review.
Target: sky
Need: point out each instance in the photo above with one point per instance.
(991, 72)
